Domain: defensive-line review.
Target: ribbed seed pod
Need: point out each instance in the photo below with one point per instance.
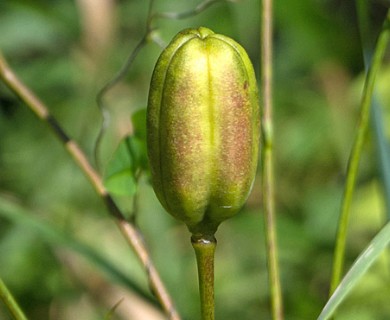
(203, 128)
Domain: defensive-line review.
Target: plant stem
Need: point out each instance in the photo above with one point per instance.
(267, 157)
(354, 159)
(10, 302)
(204, 250)
(129, 230)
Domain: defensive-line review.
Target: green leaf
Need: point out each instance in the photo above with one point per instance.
(356, 272)
(137, 148)
(138, 119)
(55, 236)
(128, 161)
(122, 184)
(383, 150)
(369, 31)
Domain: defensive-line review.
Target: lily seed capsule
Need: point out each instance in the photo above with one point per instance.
(203, 128)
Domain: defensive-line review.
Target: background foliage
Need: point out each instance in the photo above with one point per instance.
(51, 222)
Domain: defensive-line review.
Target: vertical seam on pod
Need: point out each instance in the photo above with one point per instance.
(210, 99)
(159, 117)
(212, 127)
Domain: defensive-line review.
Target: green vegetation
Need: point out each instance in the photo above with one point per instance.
(61, 254)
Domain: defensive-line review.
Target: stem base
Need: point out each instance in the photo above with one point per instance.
(204, 250)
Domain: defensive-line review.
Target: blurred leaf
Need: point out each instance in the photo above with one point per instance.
(55, 236)
(138, 119)
(121, 183)
(356, 272)
(383, 148)
(369, 33)
(24, 29)
(125, 166)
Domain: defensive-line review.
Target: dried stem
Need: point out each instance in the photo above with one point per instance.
(267, 157)
(129, 231)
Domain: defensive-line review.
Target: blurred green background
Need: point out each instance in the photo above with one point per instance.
(52, 223)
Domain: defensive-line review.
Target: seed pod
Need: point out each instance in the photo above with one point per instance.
(203, 128)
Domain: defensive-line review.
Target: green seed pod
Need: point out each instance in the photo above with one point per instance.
(203, 128)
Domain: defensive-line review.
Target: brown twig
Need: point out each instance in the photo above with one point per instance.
(129, 231)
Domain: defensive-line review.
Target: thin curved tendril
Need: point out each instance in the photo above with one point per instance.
(100, 97)
(186, 14)
(149, 35)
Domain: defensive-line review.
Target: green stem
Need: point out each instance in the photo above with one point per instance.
(204, 249)
(353, 162)
(267, 156)
(10, 302)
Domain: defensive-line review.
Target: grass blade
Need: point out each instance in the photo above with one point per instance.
(9, 301)
(353, 163)
(356, 272)
(383, 150)
(368, 30)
